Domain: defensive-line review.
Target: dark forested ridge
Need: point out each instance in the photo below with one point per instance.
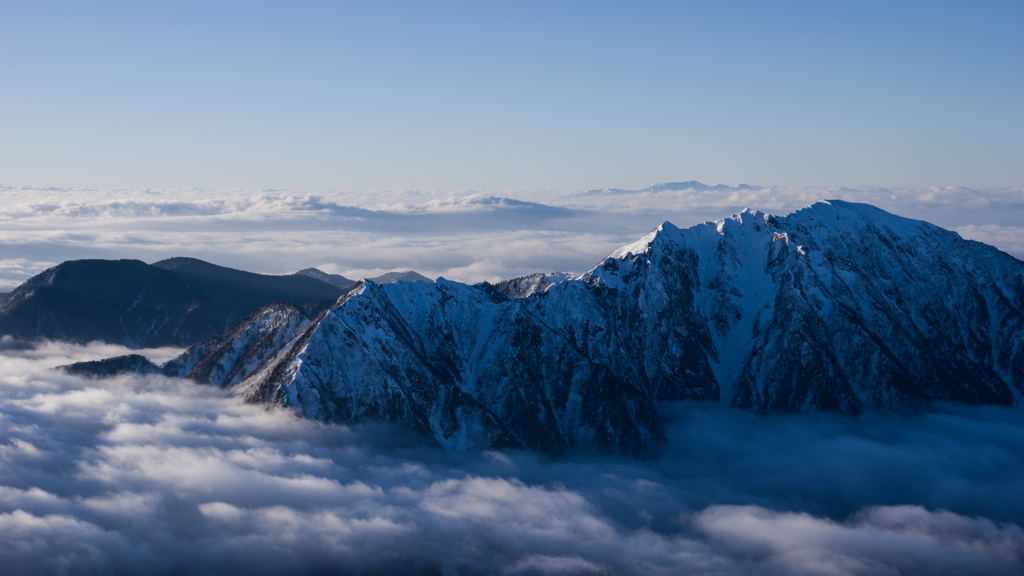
(176, 302)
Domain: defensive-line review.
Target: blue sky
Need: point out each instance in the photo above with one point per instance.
(526, 95)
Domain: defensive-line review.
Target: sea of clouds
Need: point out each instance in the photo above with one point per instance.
(153, 475)
(467, 236)
(159, 476)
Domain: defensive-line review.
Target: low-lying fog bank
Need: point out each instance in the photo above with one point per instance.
(161, 476)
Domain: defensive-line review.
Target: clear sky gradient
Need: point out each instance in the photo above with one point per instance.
(503, 95)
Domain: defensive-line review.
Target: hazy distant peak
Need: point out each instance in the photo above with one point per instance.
(672, 186)
(407, 276)
(699, 187)
(487, 200)
(343, 282)
(333, 279)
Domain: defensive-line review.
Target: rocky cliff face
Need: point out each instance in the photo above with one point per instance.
(845, 307)
(224, 360)
(836, 307)
(256, 342)
(524, 286)
(466, 365)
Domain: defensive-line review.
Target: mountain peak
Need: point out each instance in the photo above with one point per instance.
(839, 307)
(400, 276)
(831, 216)
(333, 279)
(666, 231)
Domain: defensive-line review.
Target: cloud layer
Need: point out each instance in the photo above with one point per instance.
(162, 476)
(466, 236)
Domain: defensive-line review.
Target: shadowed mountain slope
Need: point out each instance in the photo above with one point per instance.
(176, 302)
(120, 301)
(333, 279)
(248, 291)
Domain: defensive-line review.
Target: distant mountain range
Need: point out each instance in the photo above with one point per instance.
(344, 283)
(670, 186)
(838, 307)
(174, 302)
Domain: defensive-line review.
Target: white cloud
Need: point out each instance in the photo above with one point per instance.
(894, 539)
(465, 235)
(14, 271)
(161, 476)
(1010, 239)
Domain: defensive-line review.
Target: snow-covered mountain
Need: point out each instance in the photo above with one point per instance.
(838, 306)
(843, 306)
(223, 360)
(524, 286)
